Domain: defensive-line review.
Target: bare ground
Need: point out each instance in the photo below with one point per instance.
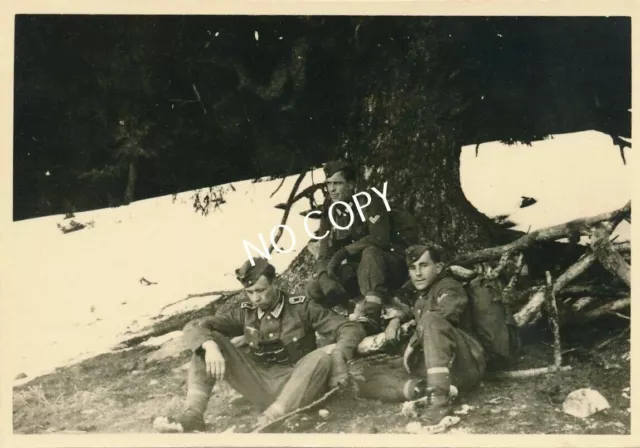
(117, 392)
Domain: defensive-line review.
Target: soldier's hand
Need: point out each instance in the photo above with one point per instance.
(339, 370)
(336, 261)
(216, 365)
(392, 333)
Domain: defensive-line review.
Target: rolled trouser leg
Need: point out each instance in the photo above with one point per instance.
(450, 355)
(307, 381)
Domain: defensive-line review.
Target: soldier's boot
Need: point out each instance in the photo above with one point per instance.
(371, 315)
(439, 401)
(273, 412)
(199, 388)
(189, 421)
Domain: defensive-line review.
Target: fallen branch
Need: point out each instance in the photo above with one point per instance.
(204, 294)
(517, 273)
(297, 411)
(607, 255)
(554, 317)
(526, 373)
(592, 291)
(529, 312)
(146, 282)
(583, 302)
(615, 313)
(615, 305)
(581, 225)
(461, 273)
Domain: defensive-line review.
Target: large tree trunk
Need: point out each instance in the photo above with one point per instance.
(401, 127)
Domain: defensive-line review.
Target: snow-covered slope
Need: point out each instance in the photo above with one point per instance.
(571, 176)
(69, 297)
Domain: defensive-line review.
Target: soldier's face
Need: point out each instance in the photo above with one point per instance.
(424, 271)
(339, 188)
(262, 293)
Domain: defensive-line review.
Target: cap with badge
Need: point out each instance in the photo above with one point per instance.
(331, 168)
(414, 252)
(248, 274)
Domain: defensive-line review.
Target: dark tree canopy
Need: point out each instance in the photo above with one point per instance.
(118, 108)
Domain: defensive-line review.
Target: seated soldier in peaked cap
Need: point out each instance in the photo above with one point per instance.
(361, 260)
(443, 349)
(283, 368)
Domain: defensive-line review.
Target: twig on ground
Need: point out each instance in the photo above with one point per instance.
(610, 340)
(620, 315)
(297, 411)
(527, 373)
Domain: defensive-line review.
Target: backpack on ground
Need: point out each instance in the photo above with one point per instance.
(493, 324)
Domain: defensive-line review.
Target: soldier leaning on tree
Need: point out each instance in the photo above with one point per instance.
(283, 369)
(363, 259)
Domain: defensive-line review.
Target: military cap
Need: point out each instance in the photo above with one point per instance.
(415, 251)
(248, 274)
(331, 168)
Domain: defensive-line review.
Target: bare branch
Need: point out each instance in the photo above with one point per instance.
(581, 225)
(290, 202)
(608, 256)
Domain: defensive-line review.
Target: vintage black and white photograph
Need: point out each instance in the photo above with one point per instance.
(333, 224)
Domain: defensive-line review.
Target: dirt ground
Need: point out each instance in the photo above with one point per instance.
(119, 393)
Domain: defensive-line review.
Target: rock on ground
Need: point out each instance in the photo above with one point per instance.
(582, 403)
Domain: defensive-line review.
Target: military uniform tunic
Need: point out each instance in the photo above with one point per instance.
(375, 262)
(283, 364)
(445, 333)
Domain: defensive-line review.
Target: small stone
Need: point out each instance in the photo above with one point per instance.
(464, 410)
(323, 413)
(413, 427)
(21, 376)
(582, 403)
(153, 383)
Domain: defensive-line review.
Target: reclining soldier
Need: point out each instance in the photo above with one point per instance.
(360, 260)
(283, 368)
(443, 349)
